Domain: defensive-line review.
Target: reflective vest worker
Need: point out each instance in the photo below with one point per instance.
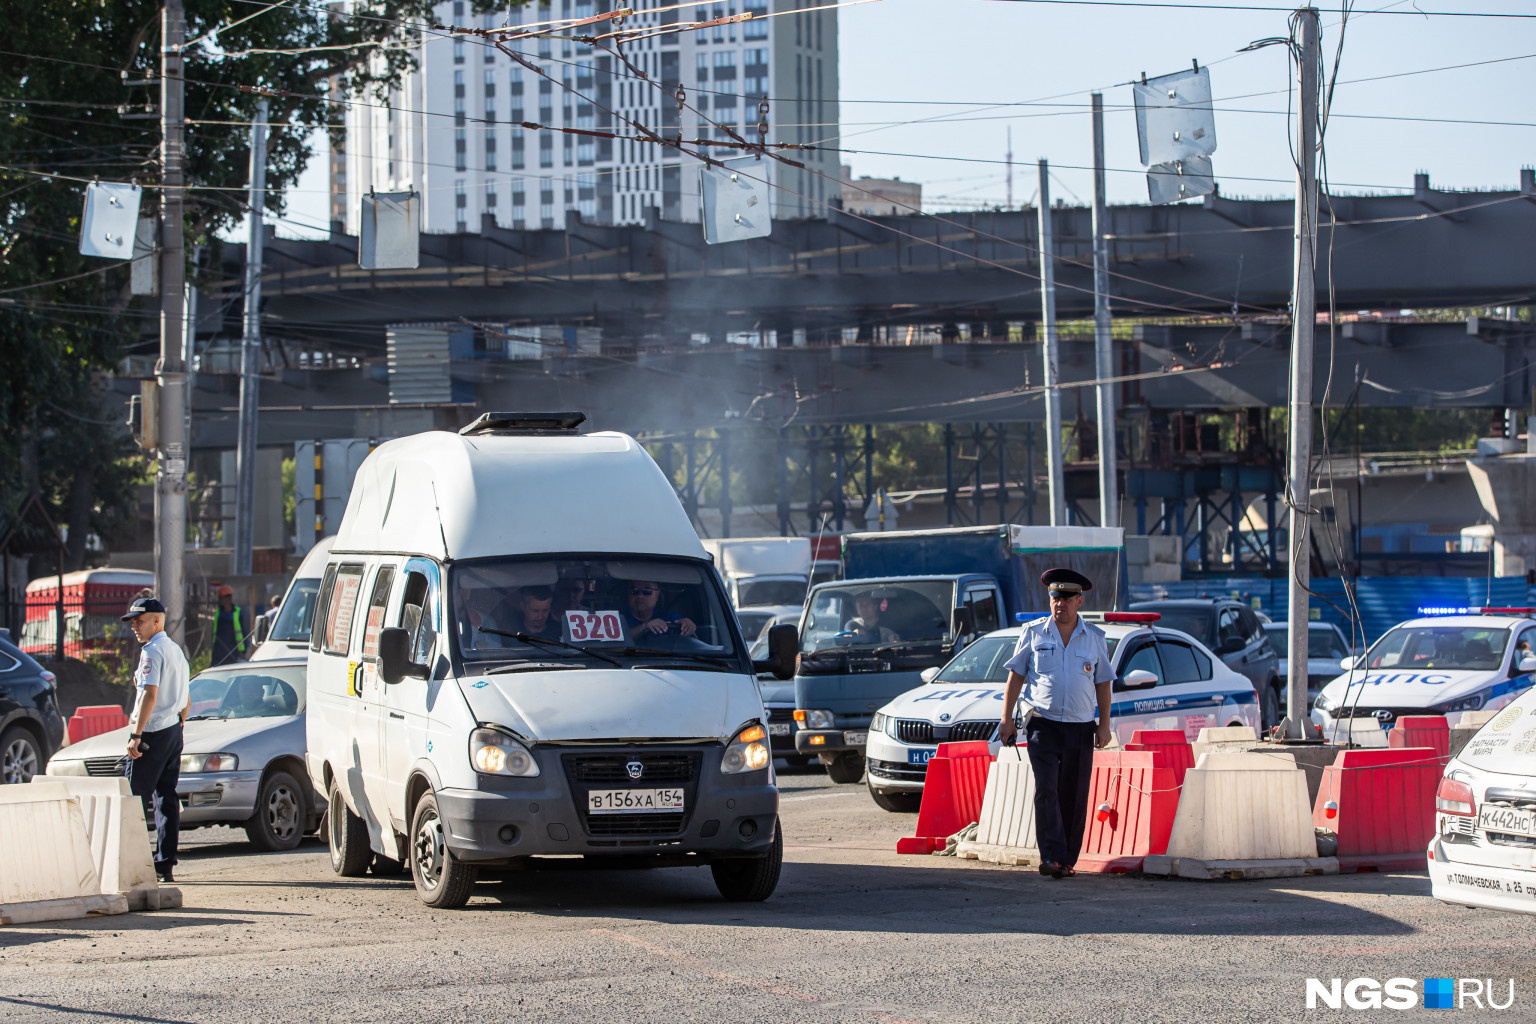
(1061, 669)
(228, 630)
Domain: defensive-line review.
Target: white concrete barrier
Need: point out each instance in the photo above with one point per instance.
(1005, 831)
(114, 822)
(1226, 737)
(49, 872)
(1242, 815)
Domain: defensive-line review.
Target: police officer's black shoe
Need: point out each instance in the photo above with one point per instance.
(1051, 868)
(164, 874)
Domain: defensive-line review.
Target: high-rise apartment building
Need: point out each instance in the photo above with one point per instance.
(448, 130)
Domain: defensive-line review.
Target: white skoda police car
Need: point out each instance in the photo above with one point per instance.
(1164, 679)
(1450, 662)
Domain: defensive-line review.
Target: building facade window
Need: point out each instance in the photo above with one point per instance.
(460, 204)
(517, 151)
(490, 151)
(757, 28)
(460, 150)
(458, 51)
(546, 150)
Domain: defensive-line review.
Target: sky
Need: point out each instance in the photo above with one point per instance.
(948, 79)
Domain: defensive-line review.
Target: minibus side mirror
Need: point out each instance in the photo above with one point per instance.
(395, 656)
(263, 627)
(965, 622)
(783, 649)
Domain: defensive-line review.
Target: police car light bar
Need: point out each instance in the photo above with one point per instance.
(1133, 616)
(1431, 610)
(1508, 611)
(1029, 616)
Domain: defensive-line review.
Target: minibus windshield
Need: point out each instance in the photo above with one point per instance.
(554, 607)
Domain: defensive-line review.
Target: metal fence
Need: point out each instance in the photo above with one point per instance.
(87, 628)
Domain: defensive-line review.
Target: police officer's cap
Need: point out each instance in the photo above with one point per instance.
(1067, 582)
(143, 606)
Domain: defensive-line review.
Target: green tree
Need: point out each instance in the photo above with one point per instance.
(63, 65)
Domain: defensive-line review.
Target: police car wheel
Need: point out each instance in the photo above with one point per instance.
(442, 880)
(846, 768)
(898, 801)
(278, 823)
(348, 836)
(1269, 705)
(751, 881)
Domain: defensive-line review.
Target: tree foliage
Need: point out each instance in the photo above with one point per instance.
(66, 66)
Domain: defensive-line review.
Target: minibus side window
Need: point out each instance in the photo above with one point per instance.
(317, 623)
(376, 606)
(416, 616)
(340, 611)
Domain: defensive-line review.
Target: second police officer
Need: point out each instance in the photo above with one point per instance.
(1061, 669)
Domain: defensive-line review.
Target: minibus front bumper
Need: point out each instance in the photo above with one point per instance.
(722, 816)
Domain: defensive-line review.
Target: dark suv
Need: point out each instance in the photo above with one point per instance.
(1234, 632)
(31, 725)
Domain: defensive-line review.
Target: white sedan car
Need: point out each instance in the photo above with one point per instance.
(1483, 853)
(1164, 679)
(1436, 665)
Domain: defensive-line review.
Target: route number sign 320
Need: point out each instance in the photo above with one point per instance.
(584, 625)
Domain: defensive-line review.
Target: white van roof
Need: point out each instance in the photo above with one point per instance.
(452, 496)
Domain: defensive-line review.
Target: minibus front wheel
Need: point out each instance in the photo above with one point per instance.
(442, 880)
(751, 881)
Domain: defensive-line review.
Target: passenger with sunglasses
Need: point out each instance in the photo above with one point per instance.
(641, 618)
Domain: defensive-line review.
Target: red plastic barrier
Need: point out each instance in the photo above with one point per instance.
(1385, 806)
(952, 795)
(1177, 753)
(95, 720)
(1142, 796)
(1421, 731)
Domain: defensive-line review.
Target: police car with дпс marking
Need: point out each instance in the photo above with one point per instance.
(1450, 661)
(1164, 679)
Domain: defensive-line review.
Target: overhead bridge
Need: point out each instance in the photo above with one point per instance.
(969, 275)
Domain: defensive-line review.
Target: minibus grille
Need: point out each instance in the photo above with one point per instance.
(654, 767)
(635, 824)
(781, 714)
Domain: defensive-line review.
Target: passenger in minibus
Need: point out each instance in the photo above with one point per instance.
(535, 606)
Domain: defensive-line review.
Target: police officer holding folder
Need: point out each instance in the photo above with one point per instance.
(1061, 668)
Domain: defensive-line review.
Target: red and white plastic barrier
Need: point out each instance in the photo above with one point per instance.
(953, 792)
(1381, 803)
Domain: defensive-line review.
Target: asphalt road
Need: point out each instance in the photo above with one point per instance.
(854, 933)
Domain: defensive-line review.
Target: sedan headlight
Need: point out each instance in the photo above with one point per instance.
(1471, 703)
(814, 719)
(877, 724)
(493, 752)
(1323, 703)
(195, 763)
(747, 752)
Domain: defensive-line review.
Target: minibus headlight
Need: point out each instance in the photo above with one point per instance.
(748, 752)
(493, 752)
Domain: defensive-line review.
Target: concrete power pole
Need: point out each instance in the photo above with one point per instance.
(1303, 326)
(1053, 454)
(171, 478)
(1103, 349)
(250, 353)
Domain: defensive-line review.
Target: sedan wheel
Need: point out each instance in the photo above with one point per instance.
(279, 820)
(19, 757)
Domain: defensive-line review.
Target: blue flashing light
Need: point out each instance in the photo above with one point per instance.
(1029, 616)
(1441, 609)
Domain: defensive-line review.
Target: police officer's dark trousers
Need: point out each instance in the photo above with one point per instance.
(1061, 756)
(152, 777)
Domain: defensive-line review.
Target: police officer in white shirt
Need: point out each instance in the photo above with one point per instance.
(1061, 667)
(154, 746)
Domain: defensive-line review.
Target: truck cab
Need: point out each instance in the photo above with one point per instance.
(864, 641)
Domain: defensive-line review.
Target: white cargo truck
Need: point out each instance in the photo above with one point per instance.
(763, 571)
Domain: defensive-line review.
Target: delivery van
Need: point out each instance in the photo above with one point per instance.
(521, 649)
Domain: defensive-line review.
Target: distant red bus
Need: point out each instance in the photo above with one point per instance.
(93, 600)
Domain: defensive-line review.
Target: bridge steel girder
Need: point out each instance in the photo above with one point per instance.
(661, 281)
(1470, 364)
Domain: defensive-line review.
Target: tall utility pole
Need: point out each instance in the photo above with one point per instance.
(250, 352)
(1103, 343)
(1009, 161)
(1303, 325)
(171, 478)
(1053, 455)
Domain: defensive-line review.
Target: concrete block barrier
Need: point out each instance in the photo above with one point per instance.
(1226, 737)
(1005, 830)
(953, 793)
(49, 873)
(115, 827)
(1241, 815)
(1131, 807)
(1383, 806)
